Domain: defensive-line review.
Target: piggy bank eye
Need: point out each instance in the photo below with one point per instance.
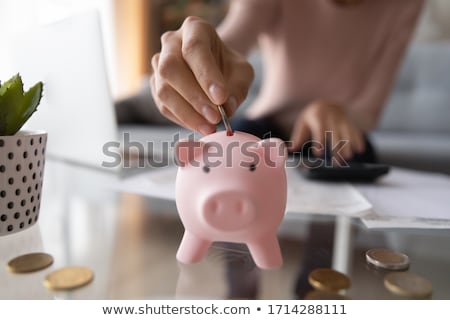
(252, 167)
(206, 169)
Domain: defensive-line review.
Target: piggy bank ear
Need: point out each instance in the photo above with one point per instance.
(272, 151)
(186, 150)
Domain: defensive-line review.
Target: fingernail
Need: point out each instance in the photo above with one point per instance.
(217, 93)
(210, 114)
(206, 129)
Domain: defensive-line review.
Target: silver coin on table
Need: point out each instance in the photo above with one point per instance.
(387, 259)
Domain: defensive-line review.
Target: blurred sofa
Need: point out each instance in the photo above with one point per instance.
(414, 131)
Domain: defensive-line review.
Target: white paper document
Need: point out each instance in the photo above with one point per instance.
(402, 199)
(408, 199)
(314, 197)
(157, 183)
(304, 196)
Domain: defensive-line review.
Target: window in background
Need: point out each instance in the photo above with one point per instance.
(19, 16)
(139, 26)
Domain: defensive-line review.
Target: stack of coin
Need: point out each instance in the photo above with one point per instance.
(69, 278)
(408, 285)
(325, 279)
(30, 262)
(387, 259)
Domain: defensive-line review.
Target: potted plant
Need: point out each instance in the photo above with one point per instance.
(22, 157)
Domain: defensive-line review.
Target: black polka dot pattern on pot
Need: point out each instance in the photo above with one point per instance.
(22, 161)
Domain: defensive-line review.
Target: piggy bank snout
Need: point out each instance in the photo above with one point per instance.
(228, 210)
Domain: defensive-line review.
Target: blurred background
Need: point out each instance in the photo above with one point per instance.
(132, 28)
(414, 132)
(417, 111)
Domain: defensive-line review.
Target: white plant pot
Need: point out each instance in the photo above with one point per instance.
(22, 161)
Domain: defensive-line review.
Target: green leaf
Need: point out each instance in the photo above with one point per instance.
(16, 107)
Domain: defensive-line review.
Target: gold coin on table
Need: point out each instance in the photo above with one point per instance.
(325, 295)
(68, 278)
(408, 285)
(387, 259)
(328, 280)
(30, 262)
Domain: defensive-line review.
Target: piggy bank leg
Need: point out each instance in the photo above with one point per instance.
(192, 248)
(266, 253)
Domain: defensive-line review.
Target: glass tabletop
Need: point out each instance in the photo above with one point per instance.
(130, 243)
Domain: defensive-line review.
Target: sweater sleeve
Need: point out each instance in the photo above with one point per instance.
(369, 104)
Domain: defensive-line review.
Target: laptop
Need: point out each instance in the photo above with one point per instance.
(77, 109)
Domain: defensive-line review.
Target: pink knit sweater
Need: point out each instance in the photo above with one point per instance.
(317, 49)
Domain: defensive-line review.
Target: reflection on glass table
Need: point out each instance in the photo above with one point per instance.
(130, 243)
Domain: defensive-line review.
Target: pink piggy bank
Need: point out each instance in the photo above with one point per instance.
(231, 188)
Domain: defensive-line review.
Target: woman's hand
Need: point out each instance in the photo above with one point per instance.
(320, 117)
(195, 72)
